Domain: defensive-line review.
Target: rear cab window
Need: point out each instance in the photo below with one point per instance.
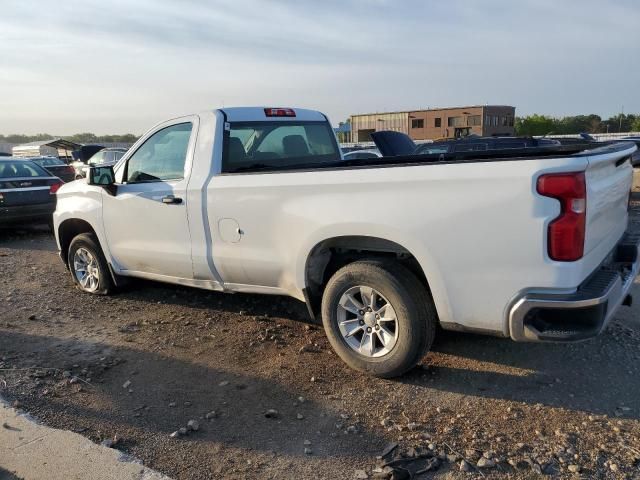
(21, 169)
(278, 145)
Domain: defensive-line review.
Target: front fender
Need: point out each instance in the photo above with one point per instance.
(79, 201)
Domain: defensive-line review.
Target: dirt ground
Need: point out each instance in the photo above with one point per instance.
(133, 368)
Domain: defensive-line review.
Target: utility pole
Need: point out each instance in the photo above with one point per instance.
(620, 123)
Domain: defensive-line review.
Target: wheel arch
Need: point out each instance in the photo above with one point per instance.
(330, 254)
(68, 230)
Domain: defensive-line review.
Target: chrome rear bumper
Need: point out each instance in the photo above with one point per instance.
(545, 317)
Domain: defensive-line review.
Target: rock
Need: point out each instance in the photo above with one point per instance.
(301, 399)
(300, 416)
(172, 404)
(386, 422)
(74, 380)
(307, 451)
(193, 425)
(573, 468)
(32, 317)
(313, 379)
(175, 434)
(126, 384)
(187, 404)
(485, 463)
(413, 426)
(352, 429)
(360, 475)
(108, 442)
(211, 415)
(309, 348)
(465, 466)
(223, 383)
(306, 443)
(182, 431)
(66, 374)
(614, 467)
(271, 413)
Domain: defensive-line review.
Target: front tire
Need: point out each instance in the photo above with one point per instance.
(378, 317)
(88, 265)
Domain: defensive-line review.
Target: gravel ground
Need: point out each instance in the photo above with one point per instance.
(269, 399)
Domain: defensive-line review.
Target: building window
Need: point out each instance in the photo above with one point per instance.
(511, 121)
(438, 122)
(474, 120)
(417, 123)
(504, 121)
(495, 120)
(455, 121)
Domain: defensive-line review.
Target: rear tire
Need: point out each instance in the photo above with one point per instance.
(408, 331)
(88, 266)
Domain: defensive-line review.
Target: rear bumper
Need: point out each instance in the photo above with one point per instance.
(25, 214)
(547, 317)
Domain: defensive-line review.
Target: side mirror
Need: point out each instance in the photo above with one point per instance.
(103, 177)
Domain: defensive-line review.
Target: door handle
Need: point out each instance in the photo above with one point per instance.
(170, 199)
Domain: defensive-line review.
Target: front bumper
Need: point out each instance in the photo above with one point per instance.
(545, 317)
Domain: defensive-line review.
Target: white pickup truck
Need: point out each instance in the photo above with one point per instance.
(529, 243)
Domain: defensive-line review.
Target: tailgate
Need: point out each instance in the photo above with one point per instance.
(25, 191)
(609, 179)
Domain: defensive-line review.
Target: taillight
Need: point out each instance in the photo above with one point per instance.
(55, 187)
(279, 112)
(566, 233)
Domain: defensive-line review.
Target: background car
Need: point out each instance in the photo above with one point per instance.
(106, 156)
(635, 158)
(360, 154)
(27, 192)
(81, 156)
(55, 167)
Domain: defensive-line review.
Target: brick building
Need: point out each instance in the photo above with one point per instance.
(483, 120)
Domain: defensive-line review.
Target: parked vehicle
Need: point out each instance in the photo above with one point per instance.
(55, 167)
(529, 244)
(360, 154)
(27, 192)
(81, 156)
(106, 156)
(392, 143)
(635, 158)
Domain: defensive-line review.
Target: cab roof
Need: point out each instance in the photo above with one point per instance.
(257, 114)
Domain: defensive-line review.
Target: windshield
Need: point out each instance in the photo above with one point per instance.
(278, 145)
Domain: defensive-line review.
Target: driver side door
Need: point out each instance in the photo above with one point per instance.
(146, 221)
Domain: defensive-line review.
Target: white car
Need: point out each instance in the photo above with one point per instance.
(529, 244)
(361, 154)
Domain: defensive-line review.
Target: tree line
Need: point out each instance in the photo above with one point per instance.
(77, 138)
(543, 125)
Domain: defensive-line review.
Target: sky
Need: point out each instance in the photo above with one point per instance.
(120, 66)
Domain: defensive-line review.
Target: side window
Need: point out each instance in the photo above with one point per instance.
(162, 156)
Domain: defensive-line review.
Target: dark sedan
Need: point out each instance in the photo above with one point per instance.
(56, 167)
(27, 192)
